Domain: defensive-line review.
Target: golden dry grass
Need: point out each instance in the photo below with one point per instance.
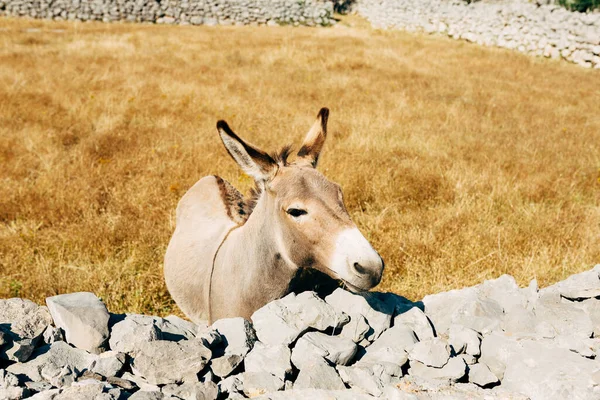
(459, 163)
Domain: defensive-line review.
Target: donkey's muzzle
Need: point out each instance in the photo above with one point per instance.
(367, 273)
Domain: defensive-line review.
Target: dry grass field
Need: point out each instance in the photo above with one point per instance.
(458, 162)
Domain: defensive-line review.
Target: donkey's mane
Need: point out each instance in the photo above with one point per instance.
(281, 158)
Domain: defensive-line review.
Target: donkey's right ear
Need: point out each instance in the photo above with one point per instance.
(253, 161)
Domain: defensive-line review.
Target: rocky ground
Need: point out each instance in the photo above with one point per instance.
(544, 30)
(492, 341)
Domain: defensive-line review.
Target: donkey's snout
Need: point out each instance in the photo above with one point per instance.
(355, 261)
(359, 269)
(369, 272)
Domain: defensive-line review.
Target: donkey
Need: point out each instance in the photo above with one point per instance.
(229, 255)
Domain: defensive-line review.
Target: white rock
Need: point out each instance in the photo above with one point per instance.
(196, 390)
(453, 371)
(315, 346)
(259, 383)
(319, 375)
(316, 394)
(564, 317)
(441, 307)
(282, 321)
(482, 315)
(396, 341)
(54, 356)
(223, 366)
(272, 359)
(357, 329)
(22, 322)
(356, 305)
(83, 318)
(416, 319)
(161, 362)
(581, 286)
(464, 340)
(431, 352)
(369, 379)
(8, 379)
(128, 335)
(232, 384)
(481, 375)
(53, 334)
(237, 333)
(545, 372)
(496, 349)
(13, 393)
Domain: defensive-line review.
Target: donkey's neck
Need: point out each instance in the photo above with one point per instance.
(251, 268)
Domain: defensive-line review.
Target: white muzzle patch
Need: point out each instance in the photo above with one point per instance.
(355, 260)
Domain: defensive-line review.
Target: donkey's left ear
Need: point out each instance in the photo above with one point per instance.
(314, 140)
(255, 162)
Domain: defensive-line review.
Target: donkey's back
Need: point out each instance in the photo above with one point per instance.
(207, 211)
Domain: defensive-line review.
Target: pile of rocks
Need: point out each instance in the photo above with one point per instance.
(493, 341)
(542, 30)
(184, 12)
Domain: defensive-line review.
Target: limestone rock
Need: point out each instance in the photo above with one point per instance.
(232, 384)
(140, 382)
(482, 315)
(109, 364)
(316, 394)
(319, 375)
(541, 371)
(579, 287)
(237, 333)
(368, 378)
(441, 307)
(431, 352)
(313, 346)
(22, 323)
(8, 379)
(197, 390)
(13, 393)
(53, 357)
(416, 319)
(496, 350)
(282, 321)
(464, 340)
(272, 359)
(258, 383)
(357, 306)
(53, 334)
(225, 365)
(357, 329)
(83, 318)
(453, 371)
(161, 362)
(130, 334)
(481, 375)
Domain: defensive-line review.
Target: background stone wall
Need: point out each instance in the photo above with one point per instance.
(542, 30)
(195, 12)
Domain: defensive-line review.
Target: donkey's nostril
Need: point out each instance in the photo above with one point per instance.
(359, 269)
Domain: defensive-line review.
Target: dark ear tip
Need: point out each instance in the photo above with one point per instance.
(324, 112)
(222, 126)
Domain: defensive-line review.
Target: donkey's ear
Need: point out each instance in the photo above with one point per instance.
(314, 140)
(253, 161)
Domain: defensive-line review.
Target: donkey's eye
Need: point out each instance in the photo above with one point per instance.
(296, 212)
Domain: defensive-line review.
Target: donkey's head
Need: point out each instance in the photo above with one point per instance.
(305, 211)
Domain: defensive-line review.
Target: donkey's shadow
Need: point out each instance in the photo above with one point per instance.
(321, 283)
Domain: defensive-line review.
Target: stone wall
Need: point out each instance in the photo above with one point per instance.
(195, 12)
(494, 341)
(541, 30)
